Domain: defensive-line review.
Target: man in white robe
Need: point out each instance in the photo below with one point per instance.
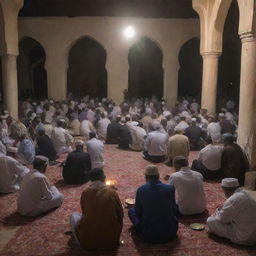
(95, 149)
(189, 188)
(75, 125)
(61, 138)
(214, 130)
(102, 126)
(11, 174)
(85, 128)
(235, 220)
(138, 134)
(36, 195)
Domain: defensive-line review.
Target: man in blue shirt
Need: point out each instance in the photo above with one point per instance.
(155, 215)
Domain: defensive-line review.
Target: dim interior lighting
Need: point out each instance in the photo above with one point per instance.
(129, 32)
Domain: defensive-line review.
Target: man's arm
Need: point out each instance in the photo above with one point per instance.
(227, 213)
(138, 204)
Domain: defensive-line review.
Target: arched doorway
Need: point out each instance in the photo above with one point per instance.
(87, 74)
(32, 76)
(190, 72)
(146, 72)
(230, 60)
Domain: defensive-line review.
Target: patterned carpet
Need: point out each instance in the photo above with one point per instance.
(50, 234)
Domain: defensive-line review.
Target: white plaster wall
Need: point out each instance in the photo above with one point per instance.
(58, 34)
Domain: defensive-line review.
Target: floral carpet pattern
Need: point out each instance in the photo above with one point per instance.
(50, 234)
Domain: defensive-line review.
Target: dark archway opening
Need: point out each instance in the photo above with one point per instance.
(87, 74)
(230, 60)
(190, 72)
(32, 76)
(146, 73)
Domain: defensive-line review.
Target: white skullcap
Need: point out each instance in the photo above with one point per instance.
(230, 183)
(128, 116)
(51, 101)
(221, 115)
(6, 112)
(42, 158)
(79, 143)
(193, 119)
(34, 103)
(167, 113)
(134, 123)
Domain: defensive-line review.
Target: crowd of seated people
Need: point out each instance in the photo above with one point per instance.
(77, 129)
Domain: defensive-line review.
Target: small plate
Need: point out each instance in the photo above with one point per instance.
(130, 201)
(197, 226)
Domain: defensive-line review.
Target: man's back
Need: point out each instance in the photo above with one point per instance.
(77, 167)
(178, 145)
(101, 222)
(113, 131)
(234, 162)
(156, 207)
(190, 191)
(34, 188)
(95, 149)
(45, 147)
(156, 143)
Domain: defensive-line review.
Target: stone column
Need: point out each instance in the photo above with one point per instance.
(209, 82)
(247, 106)
(117, 68)
(10, 84)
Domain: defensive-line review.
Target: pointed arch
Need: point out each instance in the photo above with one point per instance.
(146, 74)
(86, 68)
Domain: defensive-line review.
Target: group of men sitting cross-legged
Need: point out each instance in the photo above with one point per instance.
(157, 209)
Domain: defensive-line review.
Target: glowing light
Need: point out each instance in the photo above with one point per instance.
(111, 182)
(129, 32)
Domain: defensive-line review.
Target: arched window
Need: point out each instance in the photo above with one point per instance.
(146, 73)
(32, 76)
(87, 74)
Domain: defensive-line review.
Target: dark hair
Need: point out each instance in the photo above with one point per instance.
(38, 163)
(209, 140)
(96, 174)
(92, 135)
(180, 161)
(152, 177)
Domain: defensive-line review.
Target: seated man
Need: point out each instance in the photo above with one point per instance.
(189, 188)
(26, 150)
(155, 213)
(138, 134)
(156, 144)
(77, 166)
(45, 146)
(95, 149)
(209, 161)
(61, 139)
(234, 162)
(235, 220)
(113, 131)
(178, 145)
(36, 195)
(102, 126)
(11, 174)
(194, 133)
(125, 138)
(100, 225)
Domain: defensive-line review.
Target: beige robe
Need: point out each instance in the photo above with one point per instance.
(178, 145)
